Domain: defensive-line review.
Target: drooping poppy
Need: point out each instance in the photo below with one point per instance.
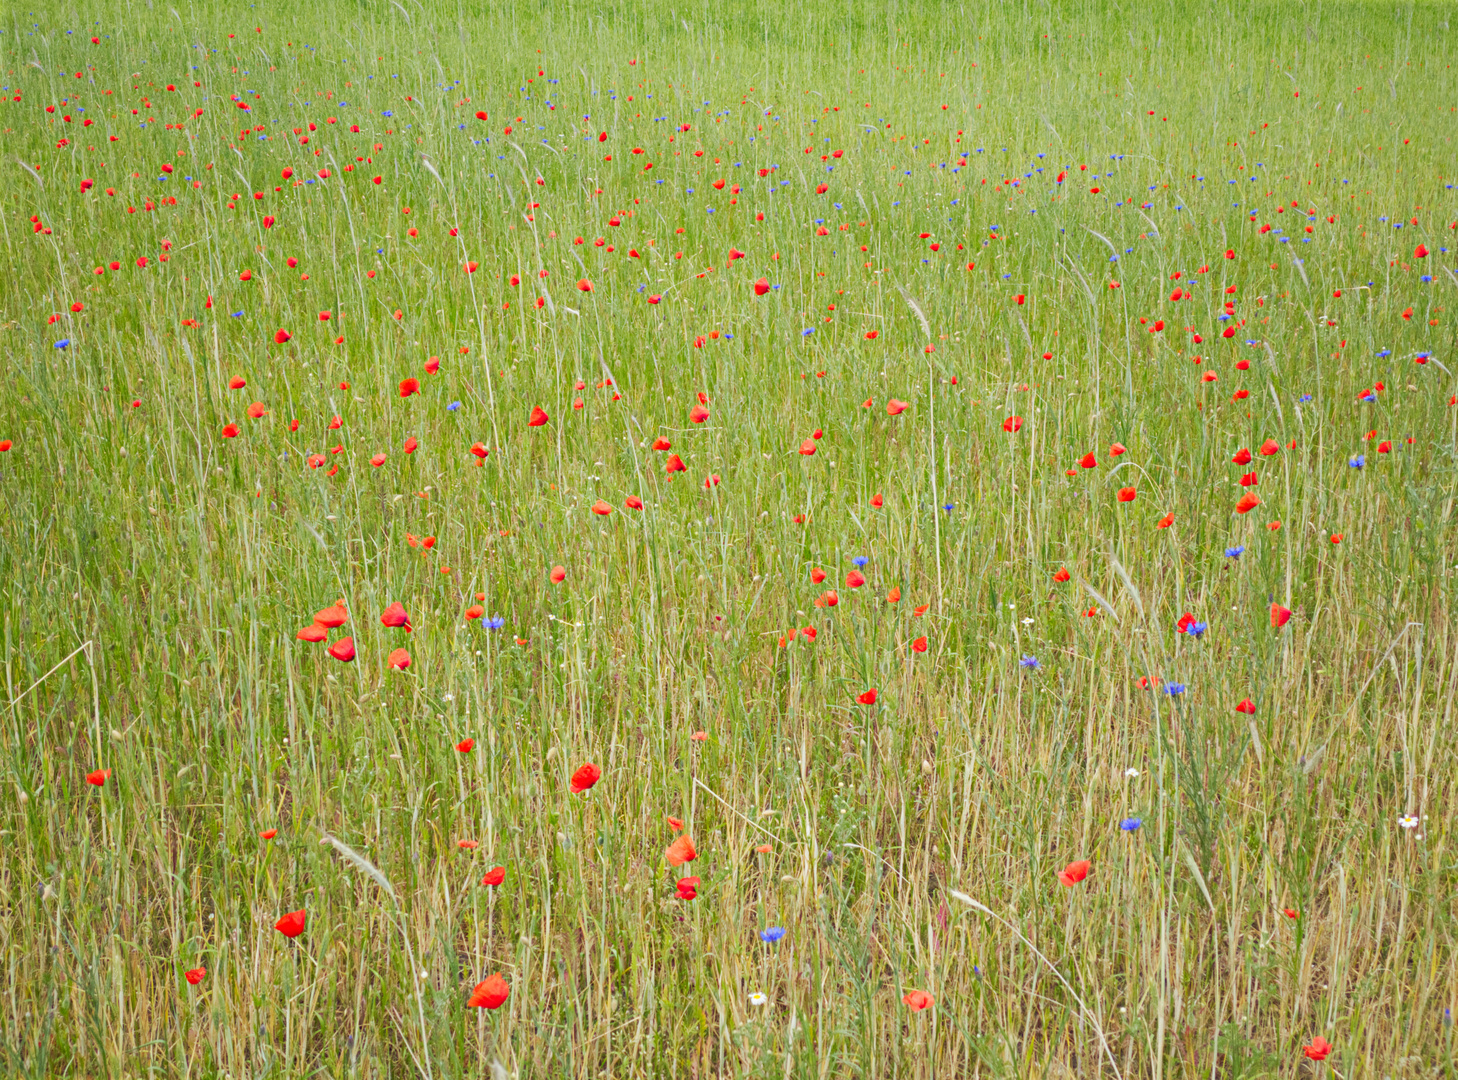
(1126, 494)
(343, 650)
(867, 697)
(1318, 1049)
(1115, 449)
(919, 645)
(1247, 707)
(1280, 616)
(854, 580)
(1061, 575)
(895, 407)
(917, 1000)
(1270, 448)
(557, 575)
(230, 431)
(601, 508)
(195, 975)
(313, 632)
(399, 659)
(538, 418)
(268, 834)
(331, 617)
(1088, 461)
(98, 778)
(894, 596)
(292, 924)
(1248, 502)
(409, 386)
(1074, 872)
(681, 851)
(394, 616)
(632, 502)
(495, 876)
(698, 414)
(661, 443)
(1242, 457)
(1013, 424)
(585, 776)
(490, 993)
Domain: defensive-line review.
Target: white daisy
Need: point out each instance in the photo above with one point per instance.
(1408, 821)
(757, 998)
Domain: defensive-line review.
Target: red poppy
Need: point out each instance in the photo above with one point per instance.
(761, 286)
(632, 502)
(584, 286)
(894, 597)
(5, 444)
(98, 778)
(399, 659)
(1061, 574)
(698, 414)
(343, 650)
(1116, 449)
(681, 851)
(919, 645)
(1318, 1050)
(1420, 252)
(236, 383)
(557, 575)
(585, 776)
(409, 386)
(332, 616)
(312, 632)
(195, 975)
(1248, 480)
(854, 580)
(807, 447)
(876, 500)
(538, 418)
(1280, 616)
(1290, 913)
(230, 431)
(867, 697)
(495, 876)
(896, 408)
(687, 888)
(292, 924)
(601, 508)
(1074, 872)
(1013, 424)
(1242, 457)
(281, 336)
(490, 993)
(465, 746)
(1336, 538)
(1126, 494)
(1270, 447)
(661, 443)
(268, 834)
(917, 1000)
(394, 616)
(1247, 707)
(1248, 502)
(1088, 461)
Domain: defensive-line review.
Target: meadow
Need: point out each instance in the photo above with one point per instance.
(751, 539)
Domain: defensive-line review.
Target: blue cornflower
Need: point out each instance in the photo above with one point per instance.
(1303, 398)
(237, 314)
(63, 343)
(1174, 689)
(387, 112)
(1130, 824)
(860, 560)
(807, 331)
(1030, 662)
(453, 406)
(1369, 397)
(1235, 552)
(493, 622)
(772, 934)
(1197, 629)
(1357, 462)
(948, 507)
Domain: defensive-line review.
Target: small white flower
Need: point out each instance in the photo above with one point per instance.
(448, 697)
(1131, 772)
(1408, 821)
(1027, 622)
(757, 998)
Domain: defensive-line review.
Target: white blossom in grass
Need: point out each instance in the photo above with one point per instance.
(1408, 821)
(1132, 773)
(757, 998)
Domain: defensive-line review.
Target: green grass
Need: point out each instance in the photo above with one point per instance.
(153, 574)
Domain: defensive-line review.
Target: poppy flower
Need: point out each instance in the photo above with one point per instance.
(409, 386)
(1336, 538)
(584, 286)
(331, 617)
(230, 431)
(1269, 448)
(601, 508)
(681, 851)
(1242, 457)
(1318, 1050)
(557, 575)
(854, 580)
(1280, 616)
(312, 632)
(1115, 449)
(711, 481)
(268, 834)
(916, 1000)
(1248, 502)
(377, 460)
(343, 650)
(809, 633)
(468, 845)
(237, 382)
(395, 616)
(585, 776)
(1013, 424)
(1074, 872)
(281, 336)
(674, 464)
(1246, 707)
(5, 444)
(1061, 575)
(195, 976)
(895, 407)
(761, 286)
(1290, 913)
(687, 888)
(1420, 252)
(817, 575)
(495, 876)
(98, 778)
(661, 443)
(479, 451)
(1249, 480)
(698, 414)
(867, 697)
(632, 502)
(490, 993)
(465, 746)
(807, 447)
(919, 645)
(399, 659)
(1126, 494)
(538, 418)
(877, 501)
(1088, 461)
(292, 924)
